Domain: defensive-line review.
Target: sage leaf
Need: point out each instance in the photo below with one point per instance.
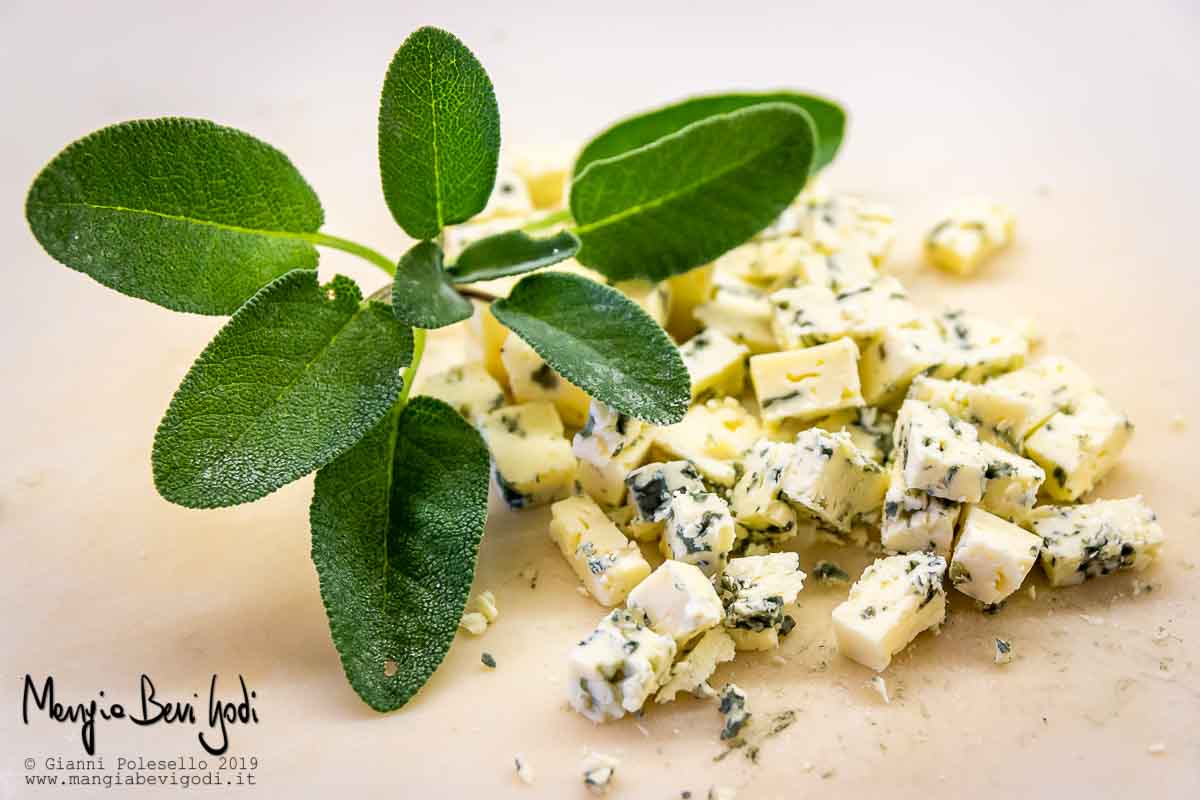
(396, 524)
(421, 293)
(298, 375)
(439, 134)
(828, 117)
(692, 195)
(602, 342)
(511, 253)
(181, 212)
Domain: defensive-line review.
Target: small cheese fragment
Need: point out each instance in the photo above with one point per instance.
(1012, 483)
(895, 357)
(809, 383)
(532, 379)
(1000, 416)
(755, 501)
(491, 335)
(679, 601)
(839, 270)
(715, 363)
(731, 703)
(618, 666)
(833, 222)
(654, 298)
(699, 530)
(712, 436)
(468, 389)
(609, 446)
(832, 480)
(940, 454)
(650, 491)
(914, 520)
(813, 314)
(895, 599)
(1079, 445)
(870, 429)
(977, 348)
(509, 198)
(1085, 541)
(531, 461)
(1048, 386)
(598, 772)
(608, 564)
(740, 311)
(756, 591)
(692, 671)
(688, 290)
(546, 172)
(765, 263)
(992, 556)
(968, 235)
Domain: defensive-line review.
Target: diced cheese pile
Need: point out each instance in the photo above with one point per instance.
(825, 405)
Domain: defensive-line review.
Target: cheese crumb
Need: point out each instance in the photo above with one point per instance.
(598, 771)
(524, 770)
(880, 686)
(1004, 653)
(485, 603)
(1156, 749)
(1178, 423)
(722, 793)
(473, 623)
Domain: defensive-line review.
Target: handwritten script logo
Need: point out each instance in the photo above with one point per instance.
(222, 713)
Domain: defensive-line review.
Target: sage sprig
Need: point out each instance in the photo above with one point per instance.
(305, 377)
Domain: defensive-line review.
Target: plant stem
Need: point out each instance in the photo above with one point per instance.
(476, 294)
(410, 374)
(361, 250)
(548, 221)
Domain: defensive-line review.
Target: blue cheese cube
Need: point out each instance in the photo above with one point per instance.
(606, 483)
(1047, 386)
(870, 429)
(1079, 445)
(809, 383)
(765, 263)
(755, 500)
(1001, 416)
(740, 311)
(838, 271)
(531, 461)
(618, 666)
(654, 298)
(608, 564)
(940, 454)
(832, 480)
(992, 556)
(1086, 541)
(609, 446)
(977, 348)
(678, 600)
(690, 673)
(1012, 483)
(756, 591)
(715, 363)
(531, 379)
(469, 389)
(913, 520)
(894, 600)
(895, 357)
(808, 315)
(699, 530)
(650, 491)
(968, 235)
(712, 436)
(835, 222)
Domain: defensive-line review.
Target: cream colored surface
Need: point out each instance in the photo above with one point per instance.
(1081, 119)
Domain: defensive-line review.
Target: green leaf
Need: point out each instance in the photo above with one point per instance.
(181, 212)
(689, 197)
(602, 342)
(422, 295)
(511, 253)
(634, 132)
(396, 525)
(297, 376)
(439, 134)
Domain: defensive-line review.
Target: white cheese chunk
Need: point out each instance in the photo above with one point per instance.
(940, 454)
(731, 703)
(654, 298)
(468, 389)
(618, 666)
(1085, 541)
(839, 270)
(712, 436)
(834, 222)
(765, 263)
(650, 490)
(756, 591)
(808, 383)
(692, 671)
(1012, 483)
(755, 501)
(895, 357)
(609, 446)
(1048, 385)
(607, 483)
(968, 235)
(1000, 416)
(976, 348)
(813, 314)
(740, 311)
(678, 600)
(531, 461)
(532, 379)
(510, 197)
(992, 556)
(832, 480)
(715, 363)
(598, 772)
(699, 530)
(896, 598)
(870, 429)
(1079, 445)
(608, 564)
(914, 520)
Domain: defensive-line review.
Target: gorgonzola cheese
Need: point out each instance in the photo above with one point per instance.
(968, 235)
(731, 702)
(756, 591)
(765, 263)
(839, 270)
(831, 480)
(532, 379)
(1012, 483)
(870, 429)
(531, 461)
(469, 389)
(914, 520)
(976, 348)
(1000, 416)
(892, 359)
(617, 666)
(740, 311)
(896, 598)
(755, 501)
(712, 436)
(1085, 541)
(834, 222)
(813, 314)
(608, 564)
(1079, 445)
(992, 556)
(510, 197)
(699, 530)
(650, 491)
(679, 601)
(715, 363)
(940, 454)
(1048, 385)
(609, 446)
(808, 383)
(691, 672)
(654, 298)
